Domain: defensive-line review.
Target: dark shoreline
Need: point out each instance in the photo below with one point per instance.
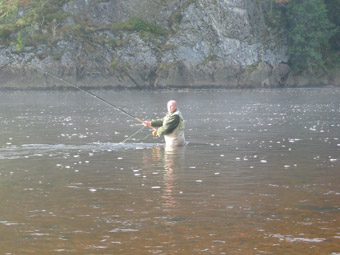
(172, 88)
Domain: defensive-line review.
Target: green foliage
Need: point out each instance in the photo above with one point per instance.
(140, 25)
(211, 57)
(35, 16)
(178, 17)
(20, 41)
(273, 12)
(50, 17)
(114, 64)
(8, 11)
(39, 38)
(309, 30)
(333, 7)
(73, 31)
(4, 33)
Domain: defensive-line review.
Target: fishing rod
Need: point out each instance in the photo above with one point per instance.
(91, 94)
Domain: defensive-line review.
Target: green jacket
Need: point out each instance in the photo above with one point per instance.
(169, 126)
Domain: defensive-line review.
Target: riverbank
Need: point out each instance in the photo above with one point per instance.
(44, 84)
(31, 77)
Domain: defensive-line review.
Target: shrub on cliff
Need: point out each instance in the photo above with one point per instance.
(140, 25)
(22, 21)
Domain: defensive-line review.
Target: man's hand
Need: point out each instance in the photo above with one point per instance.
(155, 133)
(147, 123)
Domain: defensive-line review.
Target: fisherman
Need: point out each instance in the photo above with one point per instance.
(171, 126)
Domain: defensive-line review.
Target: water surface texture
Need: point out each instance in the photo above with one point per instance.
(261, 174)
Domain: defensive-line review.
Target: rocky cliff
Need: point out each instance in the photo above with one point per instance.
(154, 44)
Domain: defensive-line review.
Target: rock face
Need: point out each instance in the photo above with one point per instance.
(207, 43)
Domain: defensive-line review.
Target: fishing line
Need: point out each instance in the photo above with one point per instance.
(100, 99)
(134, 135)
(89, 93)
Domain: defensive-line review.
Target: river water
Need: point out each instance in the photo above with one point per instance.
(260, 175)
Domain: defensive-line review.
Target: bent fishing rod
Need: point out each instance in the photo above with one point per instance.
(90, 93)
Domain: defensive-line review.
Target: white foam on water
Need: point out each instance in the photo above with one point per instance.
(40, 234)
(7, 223)
(291, 239)
(115, 230)
(40, 150)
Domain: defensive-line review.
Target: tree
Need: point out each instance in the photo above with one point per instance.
(333, 7)
(309, 30)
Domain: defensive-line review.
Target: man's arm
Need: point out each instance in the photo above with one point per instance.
(157, 123)
(169, 126)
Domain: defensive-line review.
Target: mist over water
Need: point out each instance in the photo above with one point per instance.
(260, 174)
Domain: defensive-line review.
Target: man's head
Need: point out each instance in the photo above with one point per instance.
(172, 106)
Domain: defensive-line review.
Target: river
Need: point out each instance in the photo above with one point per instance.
(260, 175)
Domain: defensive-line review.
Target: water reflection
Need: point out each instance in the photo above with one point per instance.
(171, 162)
(174, 158)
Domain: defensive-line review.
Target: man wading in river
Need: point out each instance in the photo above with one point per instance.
(171, 126)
